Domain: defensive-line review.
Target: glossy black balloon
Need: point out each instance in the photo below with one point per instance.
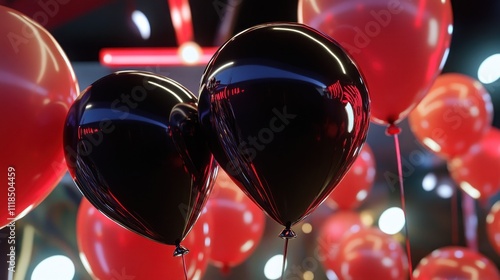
(134, 147)
(286, 112)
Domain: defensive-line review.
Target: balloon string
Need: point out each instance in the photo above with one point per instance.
(286, 234)
(180, 251)
(285, 251)
(184, 266)
(454, 217)
(394, 130)
(470, 221)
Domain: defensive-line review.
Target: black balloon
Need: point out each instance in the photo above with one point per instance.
(286, 113)
(134, 148)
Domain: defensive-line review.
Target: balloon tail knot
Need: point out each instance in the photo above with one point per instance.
(288, 233)
(392, 129)
(225, 269)
(180, 250)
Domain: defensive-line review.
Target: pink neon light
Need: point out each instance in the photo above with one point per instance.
(149, 56)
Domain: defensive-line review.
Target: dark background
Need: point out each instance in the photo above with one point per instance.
(83, 28)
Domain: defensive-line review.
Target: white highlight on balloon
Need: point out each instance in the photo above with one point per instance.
(350, 117)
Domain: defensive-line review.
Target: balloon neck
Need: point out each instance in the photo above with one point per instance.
(180, 250)
(225, 269)
(288, 233)
(392, 130)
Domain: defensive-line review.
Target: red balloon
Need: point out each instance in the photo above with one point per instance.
(357, 183)
(237, 224)
(110, 251)
(477, 171)
(335, 228)
(455, 263)
(37, 86)
(493, 226)
(455, 114)
(371, 254)
(400, 46)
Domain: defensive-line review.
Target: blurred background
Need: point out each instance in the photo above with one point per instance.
(84, 28)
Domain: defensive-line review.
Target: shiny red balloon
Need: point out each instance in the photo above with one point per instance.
(477, 171)
(335, 228)
(493, 226)
(37, 86)
(455, 263)
(370, 254)
(455, 114)
(400, 46)
(237, 224)
(357, 183)
(110, 251)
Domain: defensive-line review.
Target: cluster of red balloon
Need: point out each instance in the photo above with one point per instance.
(455, 263)
(400, 46)
(454, 121)
(110, 251)
(237, 224)
(493, 226)
(351, 250)
(37, 87)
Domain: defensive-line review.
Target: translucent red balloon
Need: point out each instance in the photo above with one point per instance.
(476, 172)
(109, 251)
(399, 45)
(338, 226)
(285, 125)
(455, 263)
(237, 224)
(357, 182)
(455, 114)
(493, 226)
(371, 254)
(37, 87)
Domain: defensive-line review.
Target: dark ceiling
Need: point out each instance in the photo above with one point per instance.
(83, 28)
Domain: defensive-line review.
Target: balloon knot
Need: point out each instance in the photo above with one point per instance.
(225, 269)
(180, 250)
(392, 129)
(288, 233)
